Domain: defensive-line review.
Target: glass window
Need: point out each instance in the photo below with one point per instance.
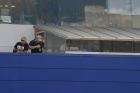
(95, 13)
(136, 13)
(18, 11)
(47, 11)
(123, 46)
(106, 46)
(120, 13)
(137, 47)
(71, 12)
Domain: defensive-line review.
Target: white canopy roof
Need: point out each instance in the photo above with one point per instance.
(85, 33)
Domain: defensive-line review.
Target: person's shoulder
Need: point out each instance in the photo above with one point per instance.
(26, 43)
(18, 43)
(32, 41)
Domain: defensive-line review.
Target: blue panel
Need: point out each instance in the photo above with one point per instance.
(111, 62)
(9, 60)
(51, 61)
(111, 75)
(8, 86)
(77, 87)
(50, 87)
(9, 73)
(51, 74)
(59, 73)
(111, 87)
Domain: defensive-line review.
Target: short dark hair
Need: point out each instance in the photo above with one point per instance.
(68, 40)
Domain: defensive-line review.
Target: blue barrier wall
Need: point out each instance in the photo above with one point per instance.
(58, 73)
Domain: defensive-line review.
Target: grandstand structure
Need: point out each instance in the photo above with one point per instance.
(106, 32)
(97, 26)
(113, 25)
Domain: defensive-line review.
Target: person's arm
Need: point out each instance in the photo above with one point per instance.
(15, 50)
(44, 44)
(25, 51)
(45, 47)
(31, 46)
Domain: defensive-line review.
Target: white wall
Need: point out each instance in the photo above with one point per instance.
(10, 34)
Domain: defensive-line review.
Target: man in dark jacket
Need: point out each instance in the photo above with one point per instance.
(37, 44)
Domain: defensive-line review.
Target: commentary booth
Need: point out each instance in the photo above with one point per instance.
(87, 39)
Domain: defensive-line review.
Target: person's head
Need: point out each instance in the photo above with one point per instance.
(68, 42)
(23, 40)
(38, 38)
